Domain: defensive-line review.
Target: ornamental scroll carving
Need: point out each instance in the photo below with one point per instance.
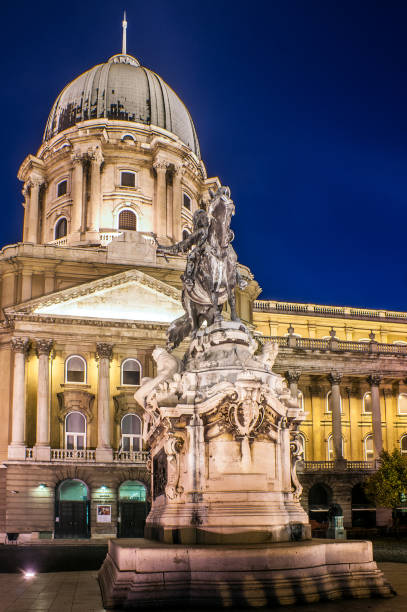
(173, 446)
(297, 452)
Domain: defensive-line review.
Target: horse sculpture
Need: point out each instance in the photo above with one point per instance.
(211, 273)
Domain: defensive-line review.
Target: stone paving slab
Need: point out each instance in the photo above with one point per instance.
(79, 592)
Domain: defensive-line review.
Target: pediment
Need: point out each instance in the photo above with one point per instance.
(128, 296)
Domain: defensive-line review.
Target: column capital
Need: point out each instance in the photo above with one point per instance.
(76, 158)
(20, 345)
(160, 165)
(104, 350)
(374, 380)
(35, 181)
(95, 156)
(335, 377)
(292, 376)
(44, 346)
(179, 170)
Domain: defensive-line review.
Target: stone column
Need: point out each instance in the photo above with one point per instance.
(177, 203)
(160, 209)
(32, 232)
(96, 160)
(335, 380)
(26, 284)
(26, 194)
(292, 377)
(8, 289)
(16, 449)
(42, 444)
(104, 450)
(374, 381)
(49, 281)
(77, 195)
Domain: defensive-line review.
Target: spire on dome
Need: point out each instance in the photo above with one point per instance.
(124, 37)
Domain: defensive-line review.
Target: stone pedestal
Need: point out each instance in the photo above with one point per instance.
(146, 574)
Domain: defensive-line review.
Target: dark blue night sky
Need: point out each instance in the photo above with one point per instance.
(300, 107)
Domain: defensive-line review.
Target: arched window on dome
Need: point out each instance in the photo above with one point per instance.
(127, 220)
(75, 431)
(75, 369)
(61, 228)
(131, 372)
(185, 234)
(131, 430)
(62, 188)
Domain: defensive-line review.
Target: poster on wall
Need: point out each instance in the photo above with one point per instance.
(104, 514)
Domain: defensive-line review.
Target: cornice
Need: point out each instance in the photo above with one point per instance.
(61, 320)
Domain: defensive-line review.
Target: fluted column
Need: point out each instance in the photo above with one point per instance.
(104, 450)
(292, 377)
(160, 209)
(16, 449)
(32, 231)
(77, 194)
(42, 445)
(177, 203)
(96, 159)
(335, 380)
(374, 381)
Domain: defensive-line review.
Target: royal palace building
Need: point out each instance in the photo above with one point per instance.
(86, 298)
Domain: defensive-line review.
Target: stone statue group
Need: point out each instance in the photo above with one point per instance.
(211, 274)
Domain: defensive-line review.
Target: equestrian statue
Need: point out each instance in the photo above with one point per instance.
(211, 272)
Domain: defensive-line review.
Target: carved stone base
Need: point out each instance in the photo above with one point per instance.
(143, 573)
(16, 452)
(104, 454)
(42, 453)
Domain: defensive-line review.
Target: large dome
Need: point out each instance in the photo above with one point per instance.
(121, 89)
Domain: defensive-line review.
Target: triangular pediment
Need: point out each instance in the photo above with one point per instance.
(128, 296)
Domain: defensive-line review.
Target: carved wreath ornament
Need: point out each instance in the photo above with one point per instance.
(245, 412)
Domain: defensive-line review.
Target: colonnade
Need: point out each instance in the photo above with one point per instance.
(335, 378)
(42, 451)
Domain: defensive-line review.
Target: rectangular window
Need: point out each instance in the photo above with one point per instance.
(187, 201)
(128, 179)
(62, 188)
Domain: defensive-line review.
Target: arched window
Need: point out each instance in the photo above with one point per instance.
(368, 447)
(127, 178)
(131, 372)
(62, 188)
(131, 433)
(75, 431)
(403, 445)
(330, 448)
(367, 403)
(185, 234)
(300, 397)
(402, 403)
(75, 369)
(328, 406)
(186, 201)
(302, 440)
(127, 220)
(61, 228)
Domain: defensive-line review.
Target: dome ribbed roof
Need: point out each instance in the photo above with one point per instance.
(122, 89)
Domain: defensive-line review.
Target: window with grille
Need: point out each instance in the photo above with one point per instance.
(128, 179)
(62, 188)
(61, 228)
(127, 220)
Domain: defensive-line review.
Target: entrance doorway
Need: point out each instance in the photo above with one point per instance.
(72, 510)
(132, 509)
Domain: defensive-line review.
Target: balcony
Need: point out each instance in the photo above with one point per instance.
(313, 467)
(64, 455)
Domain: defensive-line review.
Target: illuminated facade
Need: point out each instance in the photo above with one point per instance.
(85, 299)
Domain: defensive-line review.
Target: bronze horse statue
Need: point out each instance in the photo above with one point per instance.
(211, 273)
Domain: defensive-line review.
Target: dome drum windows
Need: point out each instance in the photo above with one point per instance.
(61, 228)
(186, 201)
(75, 369)
(131, 372)
(127, 178)
(62, 188)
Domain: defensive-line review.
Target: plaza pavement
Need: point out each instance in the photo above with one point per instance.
(79, 592)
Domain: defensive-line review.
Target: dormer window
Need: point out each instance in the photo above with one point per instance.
(127, 178)
(62, 188)
(186, 201)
